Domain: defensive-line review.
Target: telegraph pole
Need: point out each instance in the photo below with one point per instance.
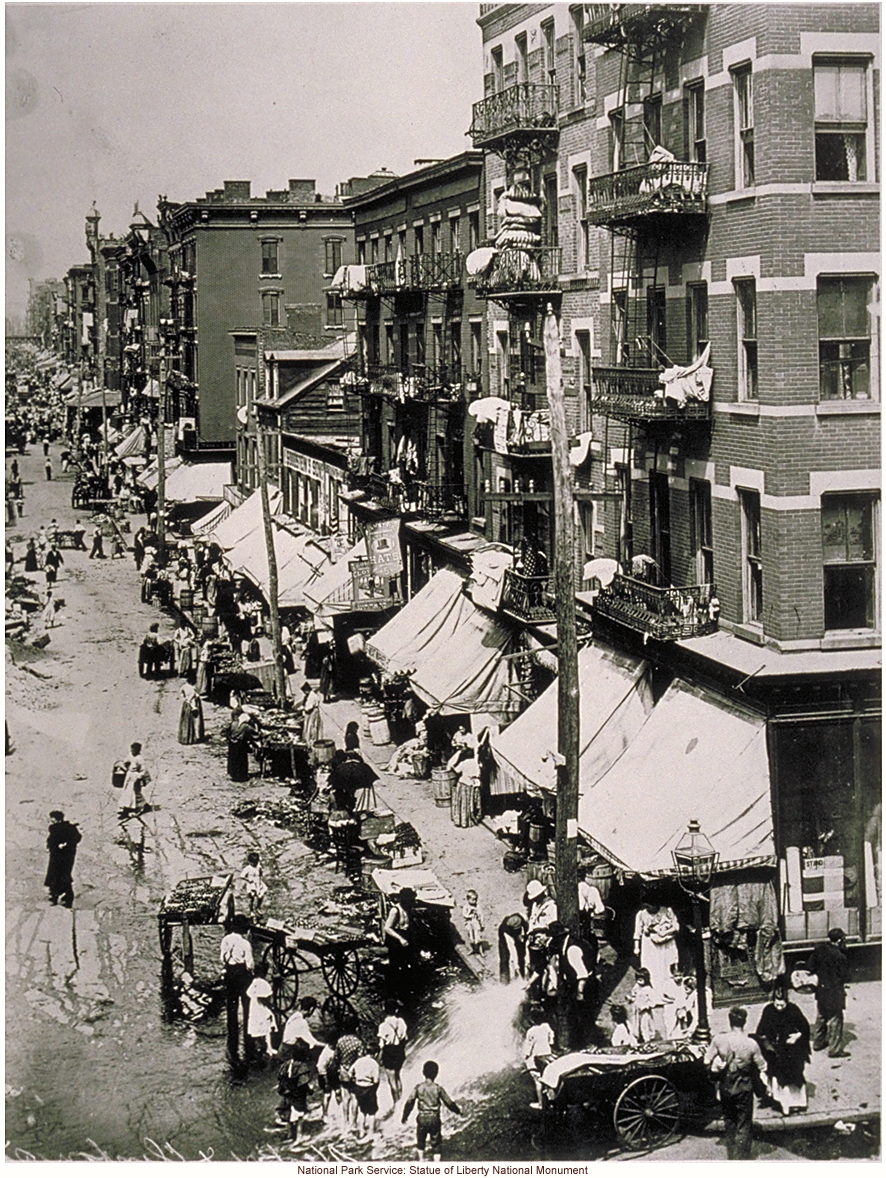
(567, 659)
(98, 263)
(161, 455)
(273, 590)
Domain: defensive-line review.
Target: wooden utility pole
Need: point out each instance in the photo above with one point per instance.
(567, 664)
(567, 646)
(161, 456)
(273, 591)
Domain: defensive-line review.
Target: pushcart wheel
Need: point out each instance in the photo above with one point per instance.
(647, 1113)
(285, 980)
(341, 969)
(336, 1013)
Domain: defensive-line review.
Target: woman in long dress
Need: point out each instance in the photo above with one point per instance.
(655, 942)
(239, 732)
(191, 728)
(313, 726)
(783, 1035)
(183, 641)
(204, 669)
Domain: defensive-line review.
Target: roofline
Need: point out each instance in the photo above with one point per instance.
(463, 162)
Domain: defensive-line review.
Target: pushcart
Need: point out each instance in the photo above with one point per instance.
(205, 900)
(648, 1093)
(288, 949)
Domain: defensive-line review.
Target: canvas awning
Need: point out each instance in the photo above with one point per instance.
(92, 399)
(245, 519)
(150, 476)
(696, 756)
(197, 480)
(332, 593)
(451, 650)
(615, 700)
(132, 444)
(64, 382)
(218, 514)
(300, 560)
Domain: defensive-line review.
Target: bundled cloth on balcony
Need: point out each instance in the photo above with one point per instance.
(487, 409)
(349, 279)
(529, 427)
(519, 234)
(615, 699)
(689, 383)
(451, 651)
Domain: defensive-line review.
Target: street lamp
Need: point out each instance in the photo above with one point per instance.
(695, 861)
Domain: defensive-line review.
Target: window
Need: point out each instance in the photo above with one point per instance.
(436, 238)
(848, 539)
(550, 227)
(586, 515)
(390, 351)
(388, 254)
(419, 239)
(270, 305)
(455, 346)
(437, 330)
(616, 140)
(841, 120)
(476, 348)
(578, 54)
(404, 347)
(270, 261)
(333, 254)
(420, 355)
(580, 182)
(652, 122)
(656, 325)
(473, 230)
(697, 318)
(844, 338)
(334, 315)
(751, 556)
(547, 33)
(620, 326)
(743, 82)
(660, 524)
(373, 341)
(361, 253)
(335, 398)
(522, 51)
(373, 251)
(584, 376)
(454, 234)
(695, 123)
(502, 355)
(701, 538)
(746, 307)
(498, 70)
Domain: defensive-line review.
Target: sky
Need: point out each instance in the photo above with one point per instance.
(121, 102)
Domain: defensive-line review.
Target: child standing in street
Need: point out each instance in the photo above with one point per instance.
(255, 887)
(473, 919)
(429, 1096)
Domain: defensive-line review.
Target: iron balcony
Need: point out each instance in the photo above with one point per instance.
(666, 188)
(529, 599)
(525, 110)
(516, 273)
(686, 611)
(635, 395)
(623, 24)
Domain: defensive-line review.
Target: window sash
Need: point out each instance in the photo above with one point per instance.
(269, 260)
(840, 92)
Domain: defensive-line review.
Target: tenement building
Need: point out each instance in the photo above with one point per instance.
(694, 190)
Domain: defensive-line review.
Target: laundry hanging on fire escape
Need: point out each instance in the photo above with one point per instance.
(689, 383)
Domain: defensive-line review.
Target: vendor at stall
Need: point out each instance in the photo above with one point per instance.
(352, 784)
(398, 932)
(240, 732)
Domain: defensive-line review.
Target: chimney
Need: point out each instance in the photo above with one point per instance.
(237, 189)
(302, 190)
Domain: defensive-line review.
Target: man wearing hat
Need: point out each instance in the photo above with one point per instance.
(62, 846)
(736, 1062)
(541, 914)
(830, 965)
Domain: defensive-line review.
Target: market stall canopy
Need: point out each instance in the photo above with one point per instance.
(244, 519)
(150, 476)
(451, 650)
(300, 560)
(64, 382)
(696, 757)
(211, 521)
(113, 434)
(331, 593)
(615, 700)
(133, 444)
(92, 399)
(197, 480)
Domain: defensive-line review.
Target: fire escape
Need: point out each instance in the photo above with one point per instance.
(650, 202)
(519, 270)
(426, 396)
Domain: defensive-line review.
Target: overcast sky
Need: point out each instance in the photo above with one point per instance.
(121, 102)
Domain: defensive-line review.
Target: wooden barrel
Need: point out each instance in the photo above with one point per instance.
(442, 780)
(198, 613)
(420, 765)
(209, 627)
(379, 732)
(186, 599)
(323, 752)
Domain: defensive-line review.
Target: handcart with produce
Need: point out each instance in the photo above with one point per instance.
(207, 900)
(648, 1093)
(332, 946)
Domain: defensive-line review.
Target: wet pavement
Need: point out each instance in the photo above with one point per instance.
(92, 1068)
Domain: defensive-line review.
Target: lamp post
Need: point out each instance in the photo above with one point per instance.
(695, 861)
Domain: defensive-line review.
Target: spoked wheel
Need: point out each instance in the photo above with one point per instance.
(336, 1012)
(647, 1113)
(285, 981)
(341, 969)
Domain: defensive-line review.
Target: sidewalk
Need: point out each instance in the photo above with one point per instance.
(460, 857)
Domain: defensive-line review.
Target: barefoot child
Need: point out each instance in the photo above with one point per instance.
(473, 919)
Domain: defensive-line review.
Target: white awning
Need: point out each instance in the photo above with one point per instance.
(451, 650)
(209, 522)
(615, 700)
(246, 518)
(696, 757)
(197, 480)
(331, 593)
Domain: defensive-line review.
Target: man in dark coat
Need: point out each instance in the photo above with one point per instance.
(62, 846)
(831, 966)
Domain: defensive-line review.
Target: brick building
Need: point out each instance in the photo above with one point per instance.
(714, 172)
(238, 263)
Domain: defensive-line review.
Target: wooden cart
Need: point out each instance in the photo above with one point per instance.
(204, 900)
(648, 1093)
(288, 950)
